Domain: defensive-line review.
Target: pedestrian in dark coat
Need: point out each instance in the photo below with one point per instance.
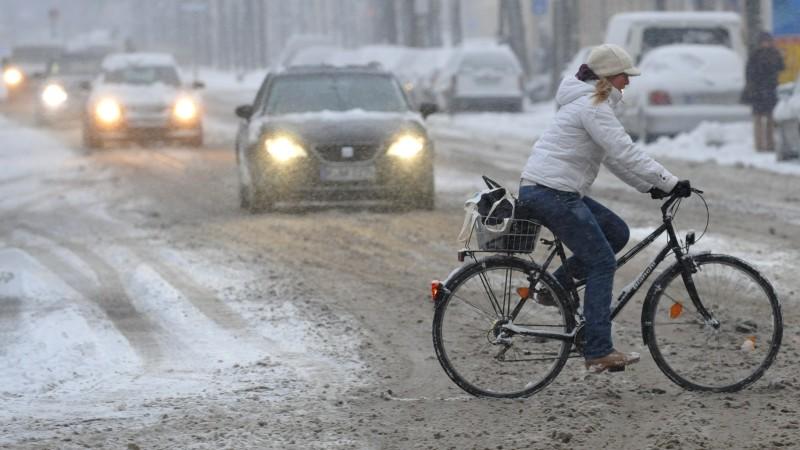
(763, 66)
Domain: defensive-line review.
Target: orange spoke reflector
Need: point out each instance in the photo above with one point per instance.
(435, 285)
(749, 344)
(675, 310)
(523, 292)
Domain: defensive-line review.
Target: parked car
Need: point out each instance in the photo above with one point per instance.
(324, 132)
(61, 94)
(26, 66)
(640, 32)
(140, 96)
(481, 77)
(787, 121)
(681, 86)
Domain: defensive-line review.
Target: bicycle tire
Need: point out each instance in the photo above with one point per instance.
(696, 355)
(464, 323)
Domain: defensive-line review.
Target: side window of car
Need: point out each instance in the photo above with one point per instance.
(797, 86)
(261, 96)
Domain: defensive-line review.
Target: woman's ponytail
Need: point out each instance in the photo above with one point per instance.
(602, 90)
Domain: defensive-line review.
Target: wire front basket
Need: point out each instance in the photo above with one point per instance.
(503, 236)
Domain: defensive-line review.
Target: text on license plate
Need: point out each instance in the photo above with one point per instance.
(347, 173)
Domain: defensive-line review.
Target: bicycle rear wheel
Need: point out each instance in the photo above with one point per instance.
(699, 354)
(481, 357)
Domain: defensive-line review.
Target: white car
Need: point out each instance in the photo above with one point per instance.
(480, 77)
(643, 31)
(681, 86)
(787, 121)
(140, 96)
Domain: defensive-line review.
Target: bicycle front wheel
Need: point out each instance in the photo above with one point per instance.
(730, 349)
(473, 348)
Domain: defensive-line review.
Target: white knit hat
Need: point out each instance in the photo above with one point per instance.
(609, 59)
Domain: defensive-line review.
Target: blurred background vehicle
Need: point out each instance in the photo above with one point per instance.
(62, 94)
(333, 133)
(26, 66)
(640, 32)
(480, 76)
(681, 86)
(787, 121)
(140, 96)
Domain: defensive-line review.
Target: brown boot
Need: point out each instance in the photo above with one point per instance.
(614, 362)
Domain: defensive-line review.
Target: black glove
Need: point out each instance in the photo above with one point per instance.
(682, 189)
(657, 194)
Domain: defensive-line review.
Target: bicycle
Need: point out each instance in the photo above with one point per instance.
(711, 322)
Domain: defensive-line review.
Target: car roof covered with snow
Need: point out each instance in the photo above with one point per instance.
(695, 56)
(619, 24)
(119, 60)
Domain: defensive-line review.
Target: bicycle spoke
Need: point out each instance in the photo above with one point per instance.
(477, 353)
(736, 348)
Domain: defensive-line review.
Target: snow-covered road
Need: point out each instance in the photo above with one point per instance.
(139, 306)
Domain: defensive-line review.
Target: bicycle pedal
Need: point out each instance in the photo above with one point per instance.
(617, 369)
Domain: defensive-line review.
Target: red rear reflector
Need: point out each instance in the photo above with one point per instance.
(660, 98)
(435, 285)
(523, 292)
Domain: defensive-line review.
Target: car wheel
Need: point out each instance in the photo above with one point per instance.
(641, 127)
(244, 196)
(260, 200)
(788, 142)
(90, 140)
(195, 142)
(425, 201)
(254, 197)
(39, 119)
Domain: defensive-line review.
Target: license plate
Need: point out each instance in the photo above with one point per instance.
(487, 79)
(347, 173)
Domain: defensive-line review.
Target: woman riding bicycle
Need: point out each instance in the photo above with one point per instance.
(563, 165)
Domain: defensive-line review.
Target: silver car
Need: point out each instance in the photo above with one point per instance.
(140, 96)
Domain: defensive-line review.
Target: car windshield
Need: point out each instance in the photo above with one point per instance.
(334, 92)
(143, 75)
(75, 66)
(660, 36)
(34, 54)
(493, 60)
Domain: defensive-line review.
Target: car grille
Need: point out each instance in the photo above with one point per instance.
(340, 152)
(708, 98)
(147, 109)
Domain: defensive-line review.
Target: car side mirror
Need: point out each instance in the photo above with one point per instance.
(244, 111)
(426, 109)
(86, 85)
(198, 84)
(785, 90)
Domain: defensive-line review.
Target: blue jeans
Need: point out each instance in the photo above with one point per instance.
(594, 234)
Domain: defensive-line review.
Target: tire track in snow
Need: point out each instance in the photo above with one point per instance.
(109, 295)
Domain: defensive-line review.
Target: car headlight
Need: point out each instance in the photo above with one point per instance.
(108, 111)
(407, 146)
(185, 110)
(12, 76)
(54, 95)
(283, 148)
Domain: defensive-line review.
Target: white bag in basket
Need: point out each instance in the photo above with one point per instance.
(495, 208)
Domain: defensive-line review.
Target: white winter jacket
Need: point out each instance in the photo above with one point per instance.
(567, 156)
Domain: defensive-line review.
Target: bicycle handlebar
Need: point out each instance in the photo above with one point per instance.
(674, 197)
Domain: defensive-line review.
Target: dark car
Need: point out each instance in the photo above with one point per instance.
(63, 92)
(333, 133)
(24, 69)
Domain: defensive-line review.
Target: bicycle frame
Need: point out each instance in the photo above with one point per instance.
(673, 245)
